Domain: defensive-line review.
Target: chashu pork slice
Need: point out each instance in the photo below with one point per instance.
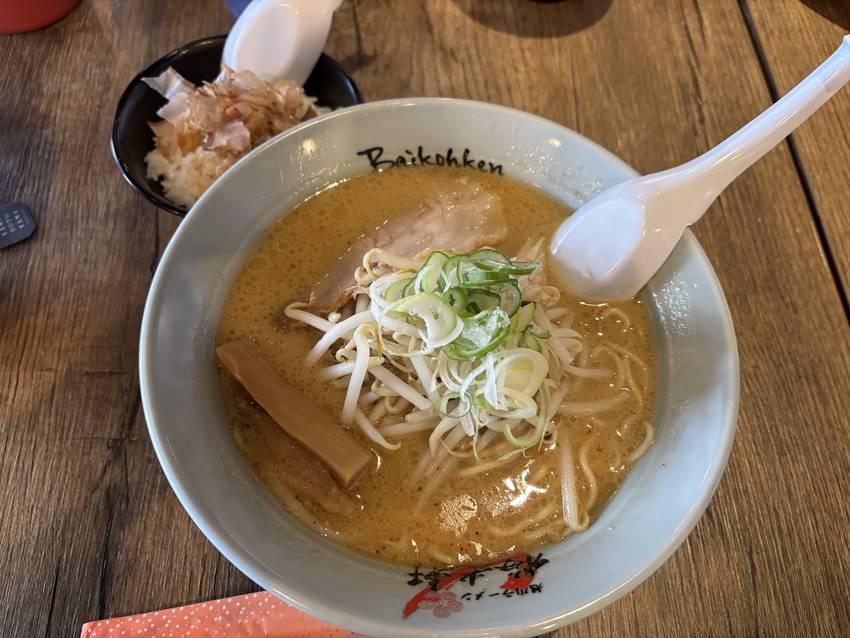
(463, 216)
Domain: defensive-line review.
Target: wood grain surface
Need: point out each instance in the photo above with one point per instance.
(89, 528)
(792, 38)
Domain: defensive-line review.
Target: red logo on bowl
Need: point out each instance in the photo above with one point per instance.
(521, 571)
(443, 603)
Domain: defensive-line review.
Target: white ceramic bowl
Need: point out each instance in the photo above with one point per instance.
(651, 514)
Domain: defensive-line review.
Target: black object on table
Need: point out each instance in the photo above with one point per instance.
(16, 224)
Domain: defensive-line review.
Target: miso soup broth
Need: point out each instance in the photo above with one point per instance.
(510, 461)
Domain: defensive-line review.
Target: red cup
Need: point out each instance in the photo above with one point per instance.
(17, 16)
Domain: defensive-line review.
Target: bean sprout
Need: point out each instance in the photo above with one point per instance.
(474, 350)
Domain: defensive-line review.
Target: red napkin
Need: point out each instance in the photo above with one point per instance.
(260, 615)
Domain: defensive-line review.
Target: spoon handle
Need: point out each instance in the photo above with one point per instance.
(741, 150)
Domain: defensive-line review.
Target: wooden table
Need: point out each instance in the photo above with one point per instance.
(90, 529)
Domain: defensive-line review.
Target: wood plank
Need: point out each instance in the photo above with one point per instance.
(88, 526)
(795, 37)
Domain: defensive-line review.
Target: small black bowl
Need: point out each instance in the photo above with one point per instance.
(132, 138)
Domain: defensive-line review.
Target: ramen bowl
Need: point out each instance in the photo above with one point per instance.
(646, 520)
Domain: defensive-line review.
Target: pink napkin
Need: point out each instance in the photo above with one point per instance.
(260, 615)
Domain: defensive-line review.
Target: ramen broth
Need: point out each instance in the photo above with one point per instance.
(470, 517)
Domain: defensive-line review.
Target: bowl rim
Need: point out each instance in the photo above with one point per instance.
(152, 69)
(215, 531)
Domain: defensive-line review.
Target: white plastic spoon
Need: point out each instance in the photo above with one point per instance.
(279, 39)
(615, 243)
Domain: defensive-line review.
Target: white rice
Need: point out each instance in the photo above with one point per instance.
(185, 177)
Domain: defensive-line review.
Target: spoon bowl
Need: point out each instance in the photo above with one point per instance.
(613, 245)
(280, 39)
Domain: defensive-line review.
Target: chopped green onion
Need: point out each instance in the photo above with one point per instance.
(489, 259)
(523, 317)
(430, 279)
(523, 267)
(396, 290)
(437, 258)
(463, 407)
(481, 334)
(457, 299)
(536, 435)
(442, 325)
(409, 288)
(450, 266)
(482, 299)
(510, 296)
(478, 278)
(485, 346)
